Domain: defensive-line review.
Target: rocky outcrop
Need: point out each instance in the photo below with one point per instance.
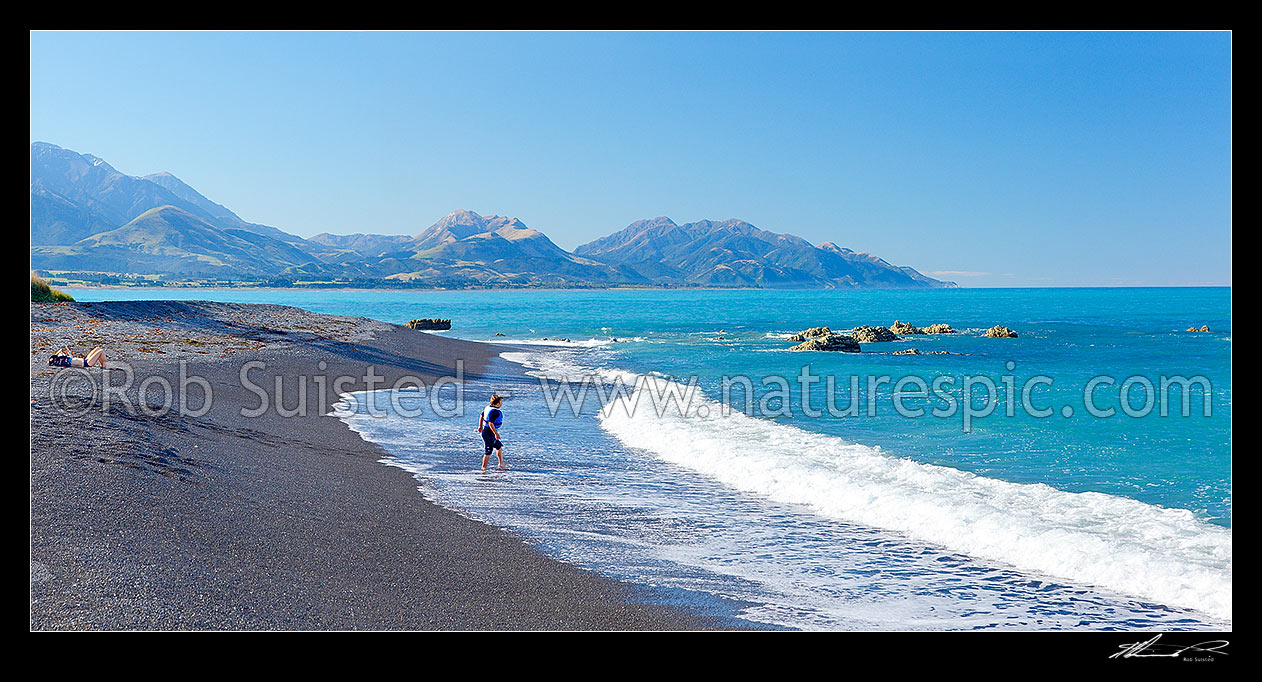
(429, 323)
(939, 328)
(1204, 328)
(866, 334)
(809, 334)
(913, 351)
(1000, 332)
(830, 342)
(902, 328)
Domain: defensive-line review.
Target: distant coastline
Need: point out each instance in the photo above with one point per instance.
(181, 286)
(393, 285)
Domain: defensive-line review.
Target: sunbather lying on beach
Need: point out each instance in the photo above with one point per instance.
(489, 426)
(63, 358)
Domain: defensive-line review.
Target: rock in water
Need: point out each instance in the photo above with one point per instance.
(904, 328)
(866, 334)
(906, 351)
(429, 323)
(810, 334)
(939, 329)
(1000, 332)
(830, 342)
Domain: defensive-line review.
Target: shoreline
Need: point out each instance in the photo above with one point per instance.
(222, 521)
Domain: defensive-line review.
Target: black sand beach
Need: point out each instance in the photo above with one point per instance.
(223, 521)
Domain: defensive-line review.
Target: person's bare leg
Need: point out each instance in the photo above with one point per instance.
(95, 357)
(486, 459)
(499, 454)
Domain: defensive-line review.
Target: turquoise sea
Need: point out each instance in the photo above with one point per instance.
(1034, 514)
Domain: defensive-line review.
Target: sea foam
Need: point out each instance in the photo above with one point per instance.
(1093, 539)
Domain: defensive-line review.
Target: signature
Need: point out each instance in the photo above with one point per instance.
(1151, 649)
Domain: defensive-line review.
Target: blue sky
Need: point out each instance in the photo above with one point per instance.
(994, 159)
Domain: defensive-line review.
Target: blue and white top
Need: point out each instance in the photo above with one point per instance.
(493, 415)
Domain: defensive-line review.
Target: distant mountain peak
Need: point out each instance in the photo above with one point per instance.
(829, 246)
(734, 252)
(463, 224)
(182, 190)
(166, 208)
(461, 216)
(659, 221)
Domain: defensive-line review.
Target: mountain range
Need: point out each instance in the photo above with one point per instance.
(88, 217)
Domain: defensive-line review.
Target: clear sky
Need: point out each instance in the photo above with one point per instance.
(994, 159)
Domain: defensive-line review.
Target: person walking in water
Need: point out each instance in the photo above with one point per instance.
(489, 426)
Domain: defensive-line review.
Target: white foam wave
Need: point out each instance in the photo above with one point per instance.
(1092, 539)
(560, 366)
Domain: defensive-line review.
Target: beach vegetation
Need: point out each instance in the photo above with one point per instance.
(42, 293)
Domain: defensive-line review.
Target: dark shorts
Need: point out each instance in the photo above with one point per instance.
(490, 440)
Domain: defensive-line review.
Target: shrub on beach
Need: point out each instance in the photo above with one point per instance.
(42, 293)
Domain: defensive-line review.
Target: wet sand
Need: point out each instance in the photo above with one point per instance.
(223, 521)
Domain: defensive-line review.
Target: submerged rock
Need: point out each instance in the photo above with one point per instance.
(866, 334)
(831, 342)
(429, 323)
(1000, 332)
(1204, 328)
(939, 328)
(913, 351)
(811, 333)
(904, 328)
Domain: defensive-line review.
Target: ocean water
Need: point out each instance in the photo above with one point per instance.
(1041, 515)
